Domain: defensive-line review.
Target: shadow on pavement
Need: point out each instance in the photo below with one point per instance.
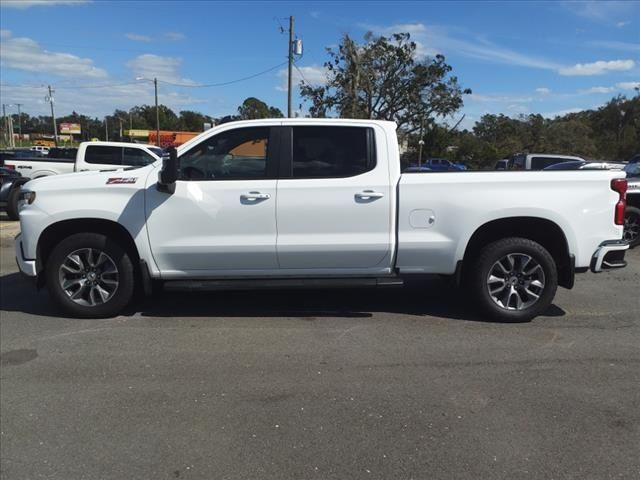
(433, 297)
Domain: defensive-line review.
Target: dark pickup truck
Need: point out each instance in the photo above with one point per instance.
(10, 183)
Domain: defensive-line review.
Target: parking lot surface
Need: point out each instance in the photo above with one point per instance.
(324, 384)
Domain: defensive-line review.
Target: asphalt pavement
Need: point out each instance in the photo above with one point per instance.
(324, 384)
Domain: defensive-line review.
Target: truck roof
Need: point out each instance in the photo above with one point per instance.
(119, 144)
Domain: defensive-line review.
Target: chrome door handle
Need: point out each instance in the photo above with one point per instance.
(368, 194)
(255, 196)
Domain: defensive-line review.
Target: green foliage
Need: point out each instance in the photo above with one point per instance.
(384, 79)
(253, 108)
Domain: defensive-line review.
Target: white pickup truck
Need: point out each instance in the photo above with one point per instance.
(308, 202)
(91, 156)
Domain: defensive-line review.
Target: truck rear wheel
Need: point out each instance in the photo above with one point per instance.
(89, 275)
(513, 280)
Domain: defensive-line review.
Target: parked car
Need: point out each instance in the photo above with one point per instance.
(442, 164)
(40, 149)
(325, 205)
(584, 165)
(417, 169)
(10, 183)
(89, 156)
(502, 164)
(537, 161)
(632, 170)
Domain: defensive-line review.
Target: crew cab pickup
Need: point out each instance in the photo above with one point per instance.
(315, 202)
(90, 156)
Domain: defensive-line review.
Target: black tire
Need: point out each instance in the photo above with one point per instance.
(125, 276)
(12, 204)
(516, 286)
(632, 226)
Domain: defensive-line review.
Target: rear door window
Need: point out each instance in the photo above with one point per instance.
(332, 152)
(103, 155)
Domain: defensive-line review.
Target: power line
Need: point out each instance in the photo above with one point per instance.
(185, 85)
(221, 84)
(107, 85)
(302, 75)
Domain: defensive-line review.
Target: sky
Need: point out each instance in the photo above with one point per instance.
(517, 57)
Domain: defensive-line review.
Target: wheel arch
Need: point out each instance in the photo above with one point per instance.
(543, 231)
(58, 231)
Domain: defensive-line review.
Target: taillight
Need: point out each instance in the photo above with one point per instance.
(620, 185)
(10, 167)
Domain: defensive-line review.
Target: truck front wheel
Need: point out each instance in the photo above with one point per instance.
(12, 204)
(89, 275)
(513, 280)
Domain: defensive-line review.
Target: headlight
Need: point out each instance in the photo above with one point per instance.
(27, 196)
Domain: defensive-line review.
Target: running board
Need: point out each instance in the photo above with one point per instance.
(280, 283)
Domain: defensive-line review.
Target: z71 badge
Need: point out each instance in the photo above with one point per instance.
(120, 180)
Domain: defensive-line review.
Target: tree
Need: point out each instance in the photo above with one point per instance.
(253, 108)
(193, 121)
(384, 79)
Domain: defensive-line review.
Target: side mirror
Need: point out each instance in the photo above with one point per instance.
(169, 172)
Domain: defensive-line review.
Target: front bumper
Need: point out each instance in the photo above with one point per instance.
(609, 255)
(26, 266)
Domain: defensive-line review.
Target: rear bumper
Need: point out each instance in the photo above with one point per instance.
(609, 255)
(26, 266)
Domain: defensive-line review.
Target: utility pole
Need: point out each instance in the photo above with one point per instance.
(420, 143)
(19, 123)
(53, 117)
(155, 84)
(106, 129)
(290, 67)
(5, 129)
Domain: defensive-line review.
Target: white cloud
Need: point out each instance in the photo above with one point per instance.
(313, 74)
(174, 36)
(596, 90)
(543, 90)
(170, 36)
(614, 45)
(597, 68)
(431, 40)
(95, 102)
(622, 24)
(137, 37)
(154, 66)
(628, 85)
(22, 4)
(560, 113)
(499, 98)
(608, 12)
(22, 53)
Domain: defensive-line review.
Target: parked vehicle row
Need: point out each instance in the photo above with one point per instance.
(88, 157)
(315, 202)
